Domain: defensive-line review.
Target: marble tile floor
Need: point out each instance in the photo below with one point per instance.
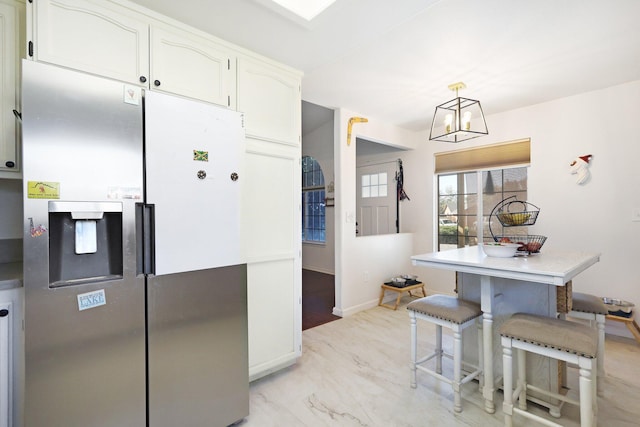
(354, 372)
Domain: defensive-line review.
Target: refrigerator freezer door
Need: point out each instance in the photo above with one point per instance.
(198, 350)
(84, 341)
(193, 175)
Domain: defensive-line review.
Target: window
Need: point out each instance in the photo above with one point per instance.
(461, 201)
(471, 183)
(313, 202)
(374, 185)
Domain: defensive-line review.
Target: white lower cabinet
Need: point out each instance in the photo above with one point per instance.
(271, 218)
(11, 357)
(274, 317)
(6, 365)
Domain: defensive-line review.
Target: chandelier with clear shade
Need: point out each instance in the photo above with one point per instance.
(458, 120)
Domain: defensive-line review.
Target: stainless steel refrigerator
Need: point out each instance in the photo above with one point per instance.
(135, 284)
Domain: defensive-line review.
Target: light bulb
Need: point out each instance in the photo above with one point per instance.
(448, 119)
(466, 120)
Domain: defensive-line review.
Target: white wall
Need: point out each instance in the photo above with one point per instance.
(594, 217)
(363, 263)
(319, 145)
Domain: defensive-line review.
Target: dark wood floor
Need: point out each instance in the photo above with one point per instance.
(318, 298)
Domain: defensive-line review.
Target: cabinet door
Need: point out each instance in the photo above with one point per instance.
(186, 64)
(84, 36)
(273, 246)
(8, 82)
(270, 99)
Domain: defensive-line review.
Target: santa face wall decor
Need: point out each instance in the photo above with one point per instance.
(580, 167)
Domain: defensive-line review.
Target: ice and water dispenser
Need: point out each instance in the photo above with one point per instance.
(85, 242)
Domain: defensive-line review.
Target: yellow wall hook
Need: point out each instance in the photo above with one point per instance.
(353, 120)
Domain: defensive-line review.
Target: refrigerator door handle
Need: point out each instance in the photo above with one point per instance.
(145, 232)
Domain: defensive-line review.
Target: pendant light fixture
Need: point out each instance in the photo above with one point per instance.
(459, 119)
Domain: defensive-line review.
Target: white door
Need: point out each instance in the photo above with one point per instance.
(376, 199)
(193, 175)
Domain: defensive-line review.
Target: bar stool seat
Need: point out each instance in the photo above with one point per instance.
(591, 308)
(564, 340)
(455, 314)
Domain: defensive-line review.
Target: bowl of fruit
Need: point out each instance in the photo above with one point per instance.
(499, 249)
(530, 243)
(511, 219)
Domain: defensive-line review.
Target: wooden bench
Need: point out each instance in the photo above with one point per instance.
(400, 291)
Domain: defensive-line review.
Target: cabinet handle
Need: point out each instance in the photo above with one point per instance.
(143, 79)
(10, 164)
(156, 82)
(4, 312)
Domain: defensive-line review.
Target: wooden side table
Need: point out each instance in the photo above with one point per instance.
(399, 291)
(630, 322)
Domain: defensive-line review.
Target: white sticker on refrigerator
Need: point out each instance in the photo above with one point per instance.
(131, 95)
(91, 300)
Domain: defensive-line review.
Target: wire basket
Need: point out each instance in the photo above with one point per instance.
(529, 243)
(516, 213)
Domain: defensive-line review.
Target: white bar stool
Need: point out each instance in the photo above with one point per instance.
(591, 308)
(560, 339)
(455, 314)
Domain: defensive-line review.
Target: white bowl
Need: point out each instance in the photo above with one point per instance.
(500, 250)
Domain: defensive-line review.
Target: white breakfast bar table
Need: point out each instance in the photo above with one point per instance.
(504, 286)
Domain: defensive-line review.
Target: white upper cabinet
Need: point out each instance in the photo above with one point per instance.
(104, 38)
(185, 64)
(85, 36)
(270, 98)
(11, 15)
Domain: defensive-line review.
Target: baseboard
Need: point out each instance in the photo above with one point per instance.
(356, 308)
(319, 270)
(265, 369)
(389, 297)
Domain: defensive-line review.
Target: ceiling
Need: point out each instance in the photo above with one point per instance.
(393, 60)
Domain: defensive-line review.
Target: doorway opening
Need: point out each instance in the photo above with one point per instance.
(318, 298)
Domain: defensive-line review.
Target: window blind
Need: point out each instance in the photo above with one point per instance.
(504, 154)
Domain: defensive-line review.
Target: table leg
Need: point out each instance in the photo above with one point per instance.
(397, 301)
(486, 302)
(635, 329)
